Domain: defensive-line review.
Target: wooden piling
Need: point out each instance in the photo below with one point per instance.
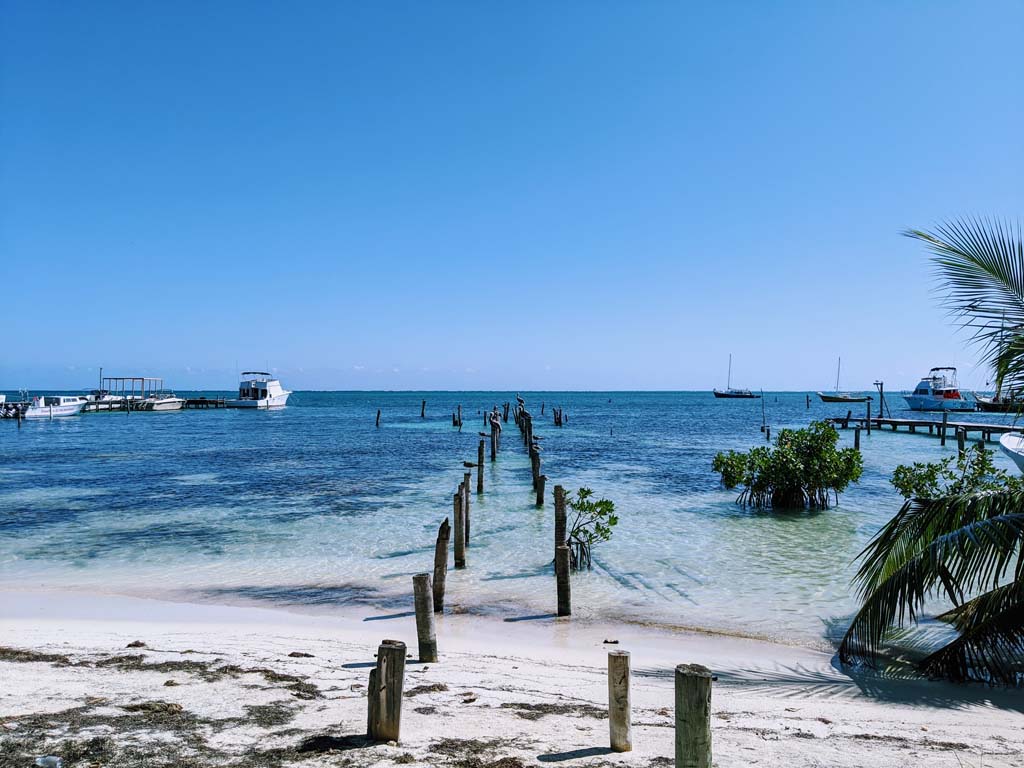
(562, 581)
(868, 420)
(384, 715)
(480, 467)
(465, 502)
(426, 636)
(378, 418)
(444, 533)
(460, 532)
(961, 439)
(856, 438)
(541, 481)
(620, 728)
(495, 427)
(560, 519)
(423, 409)
(942, 429)
(693, 716)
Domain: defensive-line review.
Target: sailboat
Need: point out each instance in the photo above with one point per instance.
(729, 392)
(842, 397)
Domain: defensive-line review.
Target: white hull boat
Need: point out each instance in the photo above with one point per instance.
(163, 403)
(1012, 444)
(258, 390)
(52, 407)
(938, 391)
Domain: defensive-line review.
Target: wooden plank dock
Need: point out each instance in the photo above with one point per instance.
(987, 432)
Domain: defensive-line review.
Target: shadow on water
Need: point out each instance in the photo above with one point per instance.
(402, 615)
(307, 595)
(533, 617)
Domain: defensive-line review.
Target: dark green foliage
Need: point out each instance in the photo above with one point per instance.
(973, 471)
(803, 469)
(965, 549)
(593, 524)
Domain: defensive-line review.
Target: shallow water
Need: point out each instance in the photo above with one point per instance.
(314, 507)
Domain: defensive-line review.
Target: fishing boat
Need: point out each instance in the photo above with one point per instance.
(258, 390)
(53, 406)
(162, 401)
(998, 404)
(736, 394)
(841, 397)
(938, 391)
(1012, 444)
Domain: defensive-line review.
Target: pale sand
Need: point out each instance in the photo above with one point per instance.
(504, 694)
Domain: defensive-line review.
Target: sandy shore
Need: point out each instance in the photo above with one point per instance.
(218, 685)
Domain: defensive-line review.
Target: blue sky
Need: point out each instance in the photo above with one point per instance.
(494, 195)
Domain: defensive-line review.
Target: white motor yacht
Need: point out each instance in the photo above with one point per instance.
(938, 391)
(258, 390)
(52, 406)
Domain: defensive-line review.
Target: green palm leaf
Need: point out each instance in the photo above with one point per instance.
(981, 265)
(973, 557)
(991, 642)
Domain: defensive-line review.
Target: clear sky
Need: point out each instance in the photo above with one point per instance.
(405, 195)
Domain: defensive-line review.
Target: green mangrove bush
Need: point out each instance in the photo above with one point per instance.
(804, 469)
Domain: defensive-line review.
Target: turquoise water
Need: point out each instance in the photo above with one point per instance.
(314, 508)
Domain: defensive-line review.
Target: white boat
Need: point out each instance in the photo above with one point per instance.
(938, 391)
(162, 401)
(258, 390)
(52, 406)
(1012, 444)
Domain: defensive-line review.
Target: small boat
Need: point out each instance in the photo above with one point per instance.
(258, 390)
(938, 391)
(52, 406)
(1012, 444)
(736, 394)
(842, 397)
(162, 401)
(997, 404)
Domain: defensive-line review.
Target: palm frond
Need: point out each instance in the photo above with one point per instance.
(990, 647)
(976, 556)
(981, 265)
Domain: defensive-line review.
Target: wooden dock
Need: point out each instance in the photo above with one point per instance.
(204, 402)
(987, 432)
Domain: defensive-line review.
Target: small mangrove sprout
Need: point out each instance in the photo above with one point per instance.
(803, 470)
(593, 524)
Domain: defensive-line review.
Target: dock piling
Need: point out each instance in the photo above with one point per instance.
(444, 533)
(693, 716)
(426, 635)
(619, 724)
(460, 532)
(562, 581)
(384, 705)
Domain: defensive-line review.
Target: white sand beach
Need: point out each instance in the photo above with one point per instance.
(216, 685)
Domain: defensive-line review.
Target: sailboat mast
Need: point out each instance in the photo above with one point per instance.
(728, 380)
(838, 366)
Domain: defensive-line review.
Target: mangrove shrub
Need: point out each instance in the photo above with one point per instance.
(804, 469)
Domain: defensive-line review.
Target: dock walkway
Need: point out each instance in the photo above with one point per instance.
(988, 432)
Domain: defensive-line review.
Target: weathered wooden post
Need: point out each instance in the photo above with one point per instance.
(559, 517)
(562, 581)
(846, 421)
(868, 404)
(541, 407)
(441, 564)
(465, 502)
(856, 438)
(494, 438)
(693, 716)
(378, 418)
(480, 467)
(540, 489)
(460, 532)
(423, 409)
(426, 636)
(384, 706)
(535, 464)
(620, 729)
(942, 431)
(961, 439)
(505, 413)
(808, 402)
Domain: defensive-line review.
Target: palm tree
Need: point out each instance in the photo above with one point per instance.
(980, 266)
(966, 549)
